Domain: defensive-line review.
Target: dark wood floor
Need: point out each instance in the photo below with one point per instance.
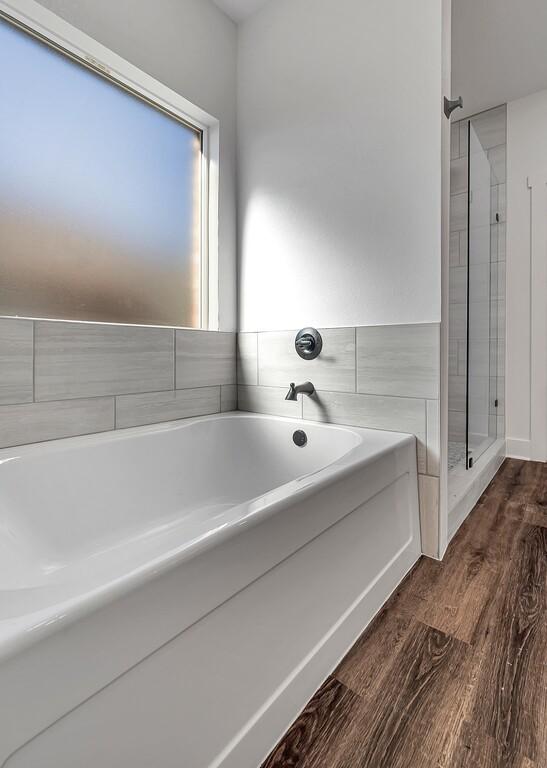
(453, 671)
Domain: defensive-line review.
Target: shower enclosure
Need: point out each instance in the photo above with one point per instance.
(474, 292)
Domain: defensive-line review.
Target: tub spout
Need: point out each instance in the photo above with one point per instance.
(294, 390)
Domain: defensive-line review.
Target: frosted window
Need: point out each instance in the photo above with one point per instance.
(99, 196)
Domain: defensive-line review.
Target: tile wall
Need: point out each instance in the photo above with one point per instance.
(491, 128)
(383, 377)
(60, 379)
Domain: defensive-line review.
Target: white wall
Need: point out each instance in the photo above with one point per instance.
(190, 46)
(499, 51)
(339, 163)
(526, 160)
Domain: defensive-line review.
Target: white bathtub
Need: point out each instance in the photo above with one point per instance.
(172, 595)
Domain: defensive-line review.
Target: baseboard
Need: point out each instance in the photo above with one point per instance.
(518, 449)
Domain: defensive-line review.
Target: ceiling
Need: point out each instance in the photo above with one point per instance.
(239, 10)
(499, 51)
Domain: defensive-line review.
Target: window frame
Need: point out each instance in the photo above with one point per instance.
(72, 42)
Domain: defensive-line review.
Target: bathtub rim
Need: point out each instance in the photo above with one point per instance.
(32, 627)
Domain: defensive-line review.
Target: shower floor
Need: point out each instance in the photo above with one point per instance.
(456, 454)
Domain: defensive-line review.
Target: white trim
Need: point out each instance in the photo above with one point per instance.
(519, 449)
(89, 52)
(538, 316)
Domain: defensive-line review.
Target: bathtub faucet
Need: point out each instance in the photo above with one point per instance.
(304, 389)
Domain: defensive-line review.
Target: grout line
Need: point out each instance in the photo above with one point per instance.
(257, 365)
(174, 360)
(33, 361)
(355, 343)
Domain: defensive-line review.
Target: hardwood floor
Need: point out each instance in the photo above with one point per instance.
(452, 673)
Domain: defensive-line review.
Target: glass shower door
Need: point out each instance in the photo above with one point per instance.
(481, 365)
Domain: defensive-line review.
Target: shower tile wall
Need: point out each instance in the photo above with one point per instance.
(383, 377)
(60, 379)
(491, 128)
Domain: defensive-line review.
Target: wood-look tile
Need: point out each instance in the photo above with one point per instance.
(415, 718)
(366, 666)
(75, 360)
(511, 695)
(426, 699)
(35, 422)
(154, 407)
(333, 370)
(205, 358)
(247, 359)
(476, 749)
(16, 363)
(400, 360)
(320, 728)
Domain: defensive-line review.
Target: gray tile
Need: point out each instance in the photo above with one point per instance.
(205, 358)
(458, 212)
(153, 407)
(395, 414)
(458, 176)
(454, 249)
(479, 282)
(34, 422)
(502, 201)
(500, 423)
(497, 157)
(456, 426)
(497, 280)
(479, 358)
(334, 369)
(454, 141)
(464, 139)
(490, 127)
(400, 360)
(457, 285)
(15, 361)
(85, 359)
(457, 393)
(494, 203)
(228, 397)
(494, 242)
(433, 437)
(247, 358)
(479, 245)
(502, 241)
(269, 400)
(452, 357)
(497, 392)
(457, 321)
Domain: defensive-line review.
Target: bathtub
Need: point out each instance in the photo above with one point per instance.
(172, 595)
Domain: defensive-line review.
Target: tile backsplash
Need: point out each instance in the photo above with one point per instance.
(382, 377)
(59, 379)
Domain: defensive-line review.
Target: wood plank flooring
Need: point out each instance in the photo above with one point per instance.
(452, 673)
